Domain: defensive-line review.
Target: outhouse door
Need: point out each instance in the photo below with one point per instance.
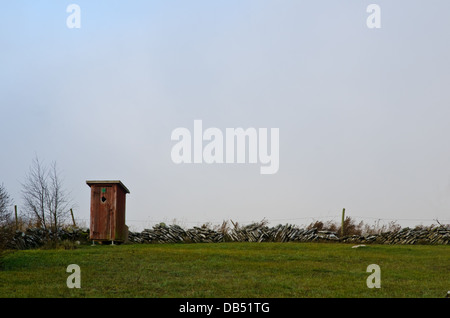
(103, 202)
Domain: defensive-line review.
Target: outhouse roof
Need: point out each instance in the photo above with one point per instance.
(91, 182)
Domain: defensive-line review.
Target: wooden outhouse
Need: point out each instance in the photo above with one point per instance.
(108, 211)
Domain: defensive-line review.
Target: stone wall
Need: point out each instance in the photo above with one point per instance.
(437, 235)
(37, 237)
(285, 233)
(161, 233)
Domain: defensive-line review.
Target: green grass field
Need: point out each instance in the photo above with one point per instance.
(288, 270)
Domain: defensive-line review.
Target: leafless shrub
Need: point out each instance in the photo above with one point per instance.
(45, 198)
(6, 223)
(321, 226)
(352, 227)
(378, 228)
(222, 228)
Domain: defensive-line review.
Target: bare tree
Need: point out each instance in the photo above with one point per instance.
(35, 192)
(58, 201)
(5, 204)
(6, 228)
(44, 196)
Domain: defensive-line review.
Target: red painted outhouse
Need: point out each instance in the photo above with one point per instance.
(108, 211)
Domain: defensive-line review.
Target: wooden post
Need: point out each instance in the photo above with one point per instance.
(73, 219)
(17, 220)
(342, 223)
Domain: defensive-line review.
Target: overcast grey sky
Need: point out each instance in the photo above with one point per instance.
(363, 113)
